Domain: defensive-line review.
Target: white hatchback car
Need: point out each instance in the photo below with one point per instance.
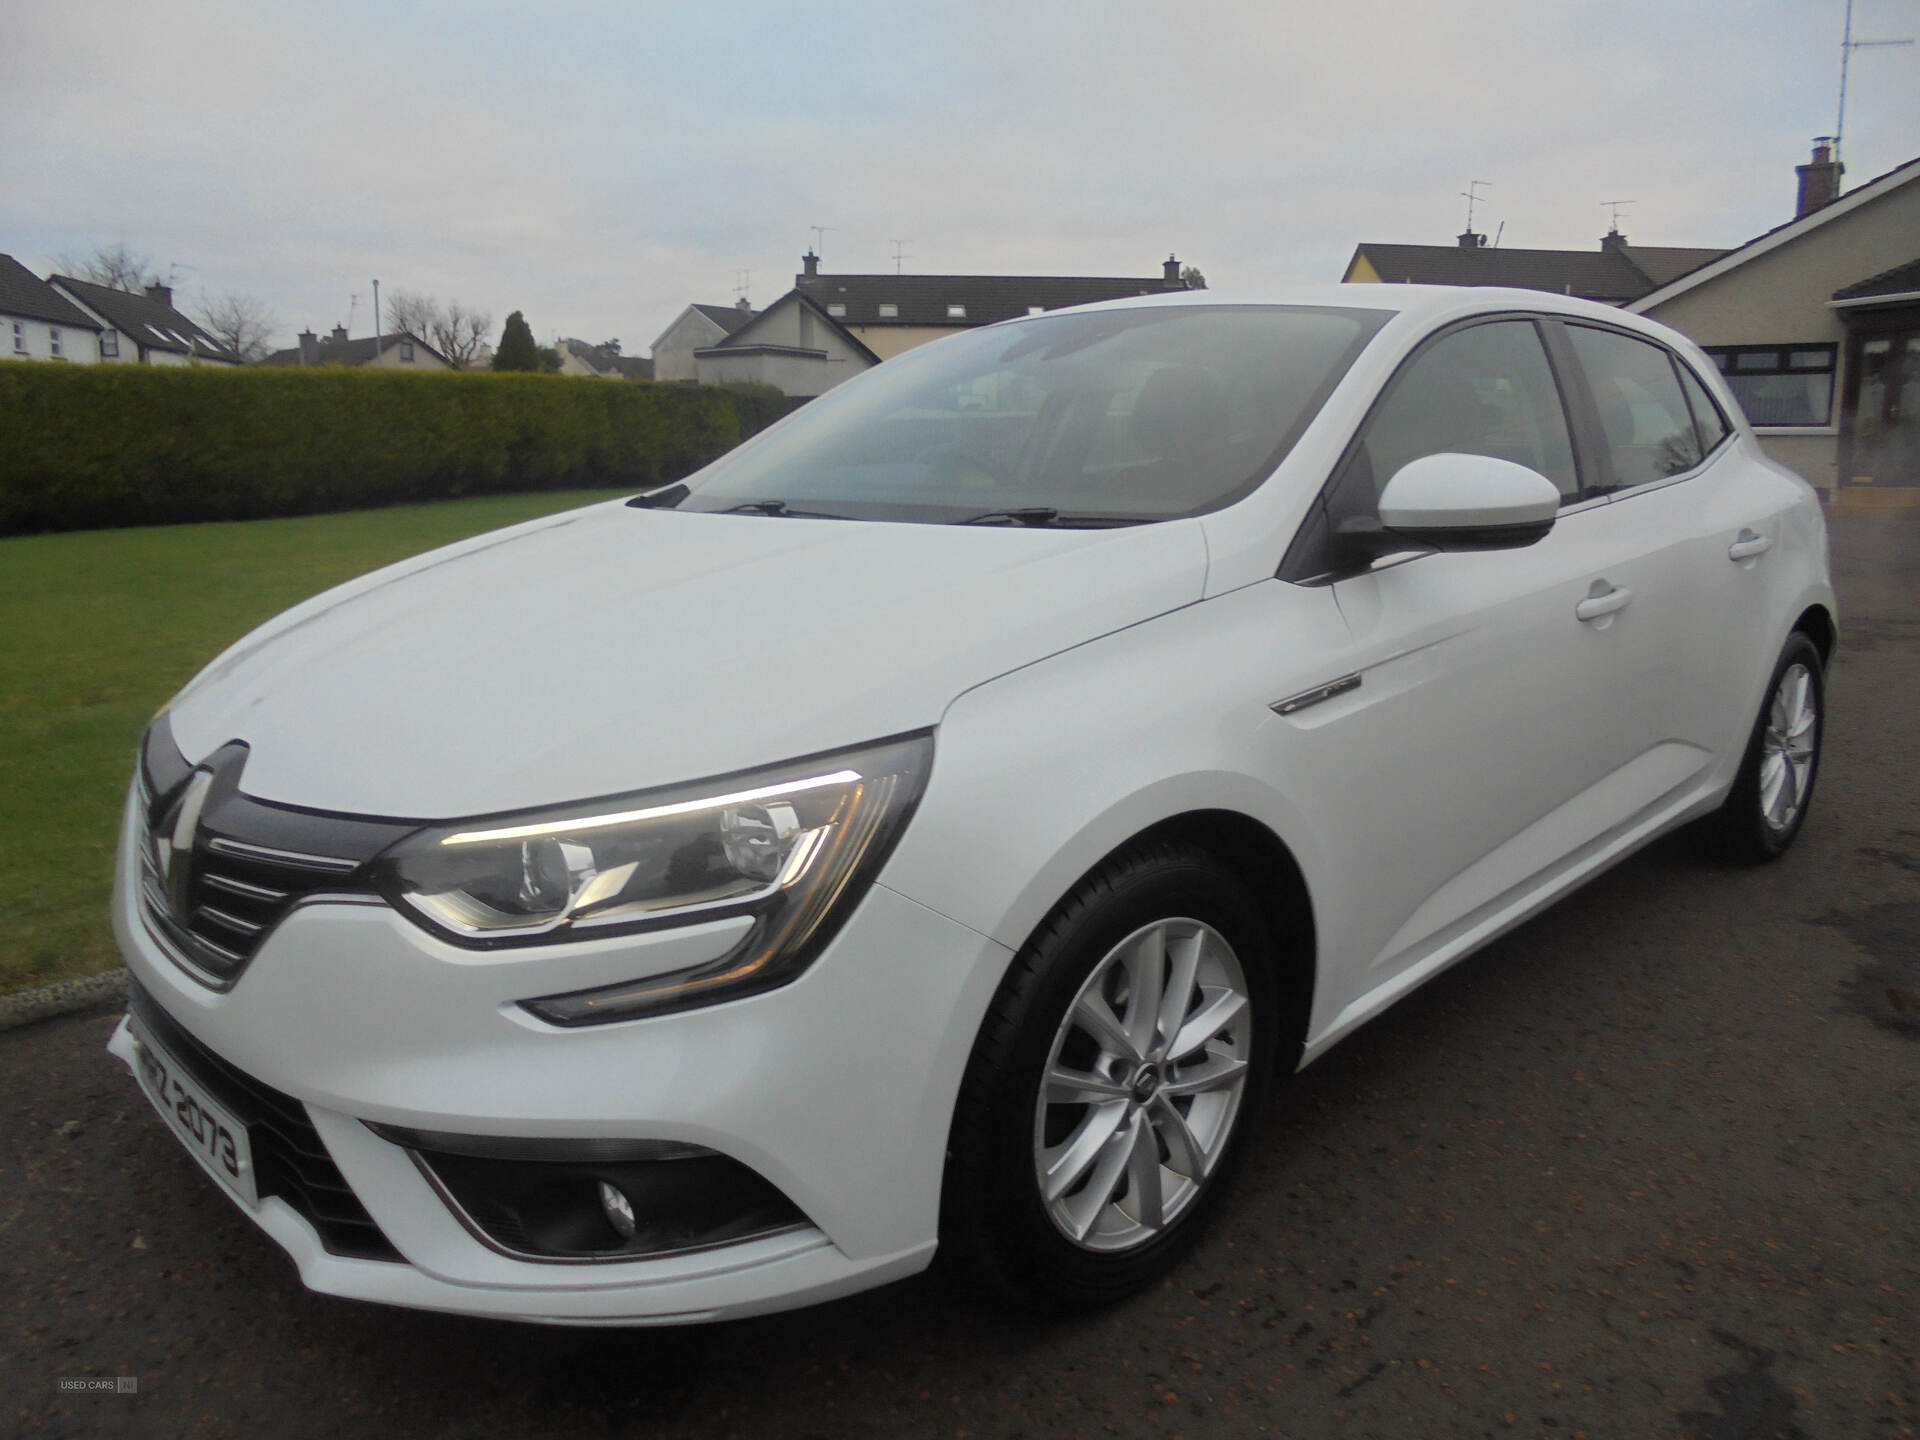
(936, 822)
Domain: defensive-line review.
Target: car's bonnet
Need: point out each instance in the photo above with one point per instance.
(616, 649)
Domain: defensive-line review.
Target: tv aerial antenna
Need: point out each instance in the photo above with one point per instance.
(1472, 196)
(353, 303)
(1847, 46)
(1613, 209)
(741, 279)
(819, 237)
(898, 254)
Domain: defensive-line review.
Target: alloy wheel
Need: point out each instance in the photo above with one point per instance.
(1143, 1085)
(1789, 742)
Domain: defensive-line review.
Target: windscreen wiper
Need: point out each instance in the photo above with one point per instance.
(779, 507)
(1042, 516)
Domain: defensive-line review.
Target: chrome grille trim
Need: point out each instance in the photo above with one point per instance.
(232, 957)
(240, 849)
(242, 887)
(232, 922)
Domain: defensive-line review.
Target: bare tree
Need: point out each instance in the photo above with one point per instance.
(459, 333)
(455, 331)
(1191, 277)
(410, 311)
(117, 265)
(241, 322)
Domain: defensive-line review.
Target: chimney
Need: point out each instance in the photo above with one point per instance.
(1820, 180)
(162, 293)
(1471, 240)
(743, 305)
(1170, 272)
(811, 267)
(339, 335)
(1613, 240)
(309, 348)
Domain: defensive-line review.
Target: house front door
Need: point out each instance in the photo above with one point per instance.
(1886, 416)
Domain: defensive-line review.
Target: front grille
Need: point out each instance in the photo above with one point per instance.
(289, 1159)
(219, 869)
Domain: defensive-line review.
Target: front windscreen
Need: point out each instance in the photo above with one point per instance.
(1103, 417)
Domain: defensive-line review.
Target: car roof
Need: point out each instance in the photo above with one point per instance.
(1422, 305)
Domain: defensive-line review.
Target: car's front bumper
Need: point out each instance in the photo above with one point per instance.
(838, 1089)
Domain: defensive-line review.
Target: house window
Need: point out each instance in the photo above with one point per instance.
(53, 342)
(956, 312)
(889, 311)
(19, 338)
(837, 310)
(406, 352)
(1784, 385)
(109, 344)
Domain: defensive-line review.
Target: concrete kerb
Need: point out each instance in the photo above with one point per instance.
(63, 997)
(1866, 500)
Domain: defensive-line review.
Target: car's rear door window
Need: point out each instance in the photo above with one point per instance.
(1644, 419)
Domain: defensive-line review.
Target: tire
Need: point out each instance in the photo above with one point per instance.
(1774, 789)
(1078, 1192)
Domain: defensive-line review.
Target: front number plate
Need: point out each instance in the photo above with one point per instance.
(204, 1126)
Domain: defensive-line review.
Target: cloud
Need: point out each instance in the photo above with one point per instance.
(598, 165)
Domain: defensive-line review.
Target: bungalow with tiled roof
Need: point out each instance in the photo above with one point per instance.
(1615, 274)
(397, 349)
(828, 328)
(602, 362)
(1816, 326)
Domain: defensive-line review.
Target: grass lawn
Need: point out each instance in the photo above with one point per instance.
(98, 629)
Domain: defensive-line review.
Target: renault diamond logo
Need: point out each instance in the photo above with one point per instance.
(175, 849)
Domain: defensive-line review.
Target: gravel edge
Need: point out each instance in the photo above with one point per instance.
(63, 997)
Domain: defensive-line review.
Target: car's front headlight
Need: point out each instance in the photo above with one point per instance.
(785, 846)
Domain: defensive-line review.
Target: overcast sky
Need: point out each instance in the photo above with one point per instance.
(599, 165)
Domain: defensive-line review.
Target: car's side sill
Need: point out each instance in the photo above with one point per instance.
(1503, 916)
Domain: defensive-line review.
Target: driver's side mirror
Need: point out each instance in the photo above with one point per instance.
(1467, 502)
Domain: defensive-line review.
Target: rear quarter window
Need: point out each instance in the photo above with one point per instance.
(1644, 418)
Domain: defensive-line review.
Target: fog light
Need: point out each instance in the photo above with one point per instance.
(540, 1198)
(618, 1211)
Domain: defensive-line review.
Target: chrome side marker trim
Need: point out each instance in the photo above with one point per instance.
(1293, 704)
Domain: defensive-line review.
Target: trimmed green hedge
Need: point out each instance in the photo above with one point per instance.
(91, 446)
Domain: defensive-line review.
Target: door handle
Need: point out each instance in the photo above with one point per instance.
(1749, 545)
(1604, 603)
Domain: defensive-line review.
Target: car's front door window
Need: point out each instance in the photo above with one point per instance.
(1484, 390)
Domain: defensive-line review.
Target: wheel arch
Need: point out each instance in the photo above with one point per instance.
(1816, 621)
(1265, 865)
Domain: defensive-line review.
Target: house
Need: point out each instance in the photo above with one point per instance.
(38, 323)
(695, 328)
(399, 350)
(1816, 326)
(830, 327)
(793, 345)
(603, 361)
(1615, 274)
(894, 313)
(143, 328)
